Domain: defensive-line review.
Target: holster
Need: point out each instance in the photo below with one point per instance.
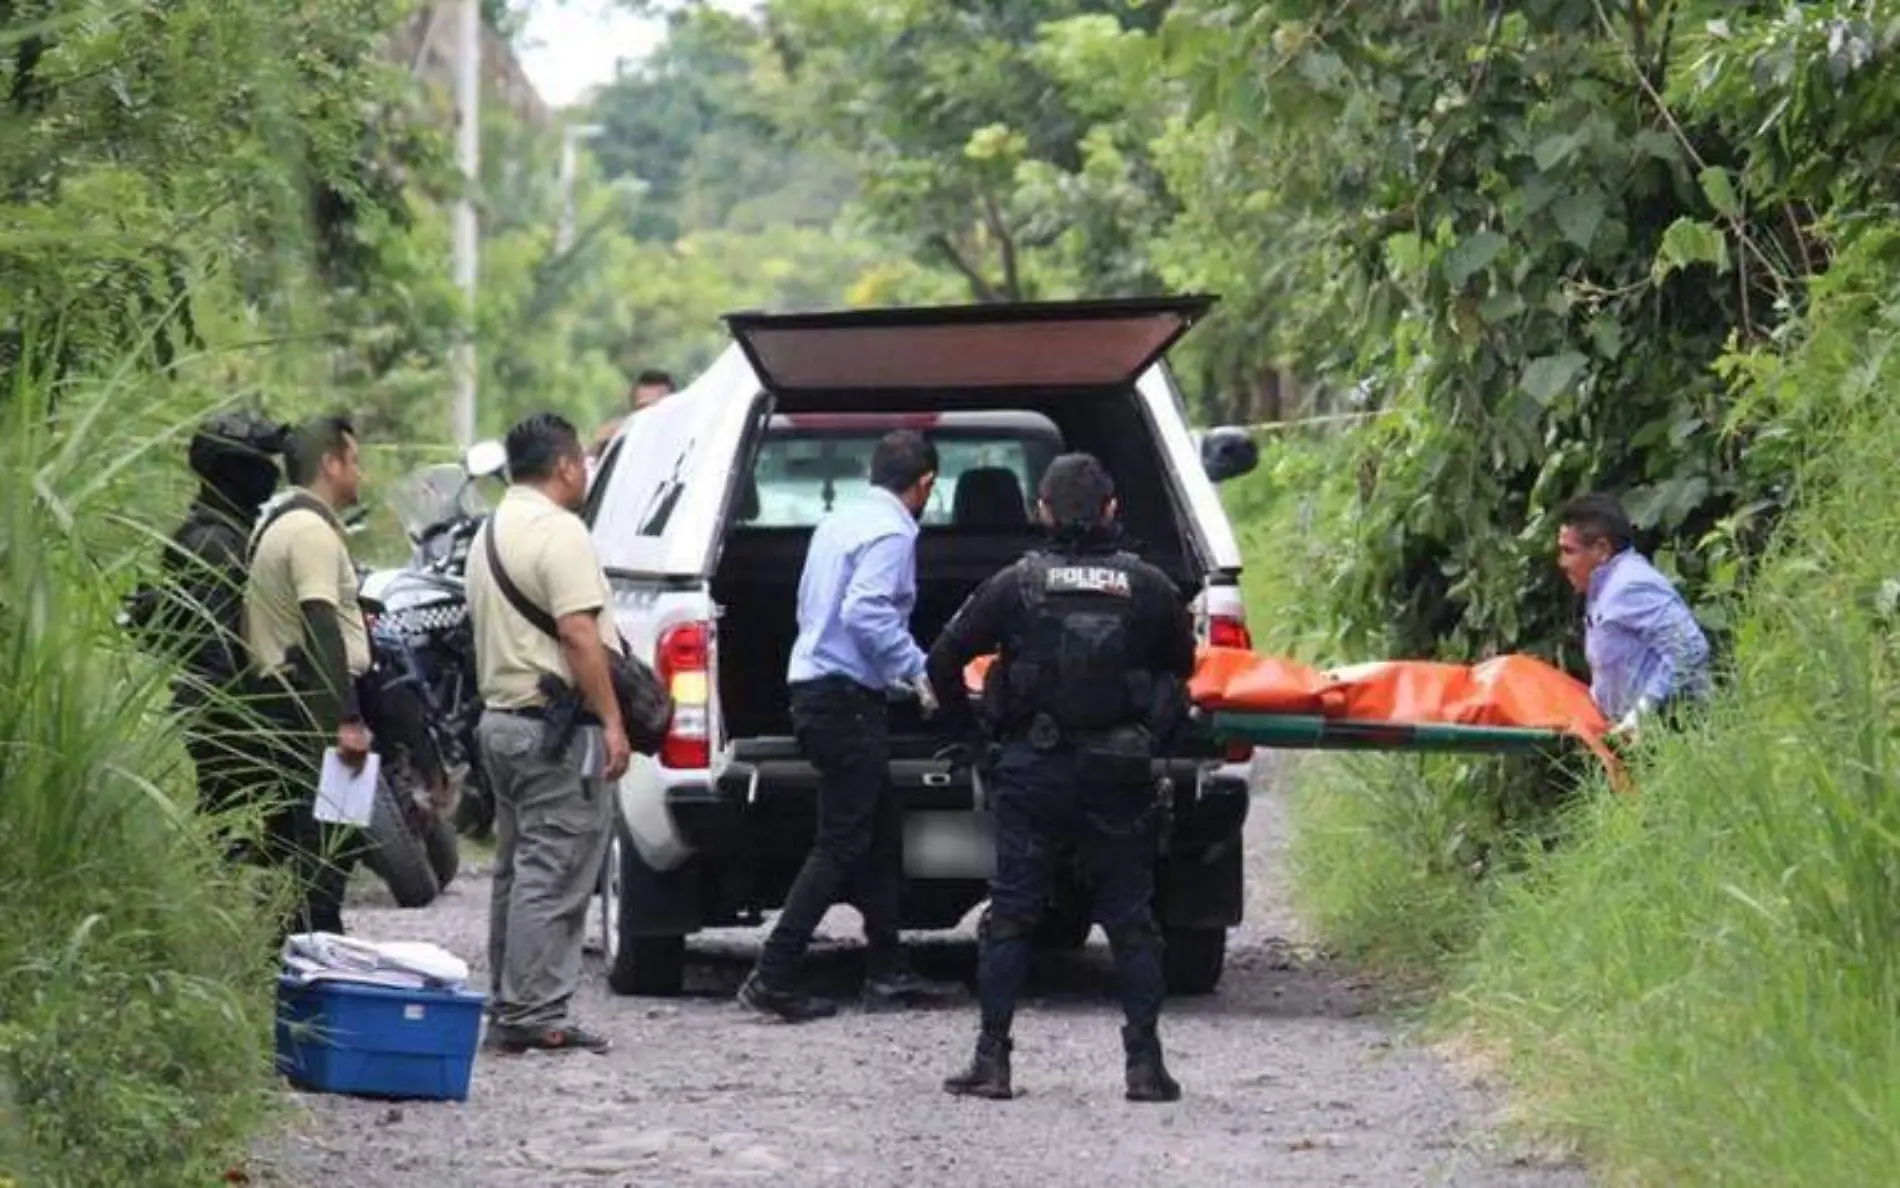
(564, 714)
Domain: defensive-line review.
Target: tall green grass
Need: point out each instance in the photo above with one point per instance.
(1706, 984)
(135, 967)
(1698, 983)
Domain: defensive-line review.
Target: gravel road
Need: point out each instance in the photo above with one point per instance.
(1291, 1075)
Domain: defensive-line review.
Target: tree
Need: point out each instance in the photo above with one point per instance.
(1484, 214)
(694, 124)
(1004, 141)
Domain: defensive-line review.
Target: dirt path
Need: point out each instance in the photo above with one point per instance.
(1290, 1077)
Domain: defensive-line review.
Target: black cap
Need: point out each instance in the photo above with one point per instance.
(234, 434)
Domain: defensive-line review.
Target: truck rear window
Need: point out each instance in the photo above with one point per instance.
(984, 481)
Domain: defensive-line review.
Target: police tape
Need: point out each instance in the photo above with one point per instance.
(1304, 422)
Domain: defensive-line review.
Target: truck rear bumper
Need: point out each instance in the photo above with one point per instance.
(749, 831)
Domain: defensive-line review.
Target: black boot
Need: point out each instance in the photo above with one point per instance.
(762, 998)
(1148, 1078)
(988, 1074)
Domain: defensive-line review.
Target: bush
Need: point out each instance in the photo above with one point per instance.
(1286, 514)
(1705, 985)
(135, 969)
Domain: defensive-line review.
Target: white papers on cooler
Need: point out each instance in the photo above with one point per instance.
(346, 795)
(410, 965)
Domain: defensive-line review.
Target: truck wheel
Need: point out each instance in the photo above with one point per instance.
(1193, 959)
(445, 851)
(397, 854)
(648, 966)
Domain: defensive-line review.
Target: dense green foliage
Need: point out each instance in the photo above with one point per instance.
(1636, 244)
(1702, 985)
(1697, 983)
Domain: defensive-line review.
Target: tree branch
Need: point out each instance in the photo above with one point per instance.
(980, 287)
(1735, 222)
(1006, 244)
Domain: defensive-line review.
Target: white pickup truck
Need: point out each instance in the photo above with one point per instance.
(702, 510)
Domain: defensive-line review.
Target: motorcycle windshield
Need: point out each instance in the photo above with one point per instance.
(433, 496)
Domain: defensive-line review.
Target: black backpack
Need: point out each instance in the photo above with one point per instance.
(194, 613)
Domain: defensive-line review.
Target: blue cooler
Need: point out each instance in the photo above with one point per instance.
(377, 1041)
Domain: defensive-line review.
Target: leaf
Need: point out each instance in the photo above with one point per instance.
(1546, 378)
(1689, 241)
(1555, 150)
(1499, 307)
(1578, 217)
(1660, 145)
(1404, 254)
(1472, 256)
(1607, 334)
(1720, 191)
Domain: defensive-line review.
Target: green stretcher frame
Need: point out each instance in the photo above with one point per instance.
(1314, 733)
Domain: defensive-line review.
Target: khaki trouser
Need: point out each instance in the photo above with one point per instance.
(551, 829)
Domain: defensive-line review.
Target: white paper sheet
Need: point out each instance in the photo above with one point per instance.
(345, 797)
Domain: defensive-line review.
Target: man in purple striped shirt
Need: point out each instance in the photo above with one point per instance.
(1645, 650)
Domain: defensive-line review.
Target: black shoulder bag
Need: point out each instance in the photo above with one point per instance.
(646, 708)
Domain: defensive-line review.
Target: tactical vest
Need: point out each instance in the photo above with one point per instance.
(1071, 655)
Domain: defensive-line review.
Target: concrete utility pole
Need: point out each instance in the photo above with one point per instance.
(571, 136)
(468, 151)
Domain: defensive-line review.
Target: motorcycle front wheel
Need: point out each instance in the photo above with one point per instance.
(397, 853)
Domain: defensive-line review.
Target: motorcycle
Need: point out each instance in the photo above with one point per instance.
(425, 704)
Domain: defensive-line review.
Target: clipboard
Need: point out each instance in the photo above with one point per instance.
(345, 796)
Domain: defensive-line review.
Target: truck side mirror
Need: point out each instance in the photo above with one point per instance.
(1228, 452)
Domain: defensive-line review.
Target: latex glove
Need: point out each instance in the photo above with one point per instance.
(926, 696)
(1630, 729)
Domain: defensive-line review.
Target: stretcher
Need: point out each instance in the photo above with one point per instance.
(1505, 705)
(1314, 732)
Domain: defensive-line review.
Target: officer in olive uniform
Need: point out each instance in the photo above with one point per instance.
(1095, 650)
(307, 644)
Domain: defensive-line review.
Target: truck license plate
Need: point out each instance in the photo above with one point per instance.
(949, 845)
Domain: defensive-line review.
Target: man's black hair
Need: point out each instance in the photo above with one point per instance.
(903, 456)
(654, 375)
(311, 442)
(538, 444)
(1077, 488)
(1597, 516)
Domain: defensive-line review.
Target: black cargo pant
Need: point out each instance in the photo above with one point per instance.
(216, 733)
(283, 752)
(843, 729)
(1044, 812)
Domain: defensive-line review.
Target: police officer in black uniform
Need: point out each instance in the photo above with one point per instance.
(1095, 651)
(196, 611)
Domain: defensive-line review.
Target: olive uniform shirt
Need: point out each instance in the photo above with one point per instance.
(549, 556)
(301, 558)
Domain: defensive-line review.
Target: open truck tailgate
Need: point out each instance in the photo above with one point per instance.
(965, 349)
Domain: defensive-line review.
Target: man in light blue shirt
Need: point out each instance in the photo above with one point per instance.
(854, 649)
(1645, 650)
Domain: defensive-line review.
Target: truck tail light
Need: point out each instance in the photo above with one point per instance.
(682, 663)
(1229, 631)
